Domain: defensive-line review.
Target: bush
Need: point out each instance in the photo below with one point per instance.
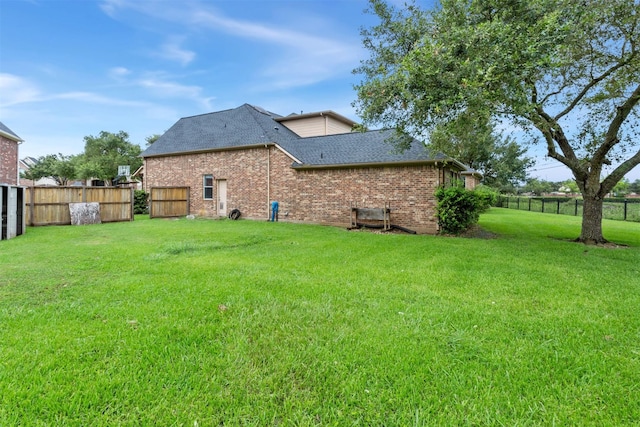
(457, 210)
(140, 202)
(486, 197)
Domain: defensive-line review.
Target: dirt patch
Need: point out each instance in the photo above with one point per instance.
(607, 245)
(375, 230)
(477, 232)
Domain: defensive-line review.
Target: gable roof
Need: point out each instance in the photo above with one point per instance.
(249, 126)
(8, 133)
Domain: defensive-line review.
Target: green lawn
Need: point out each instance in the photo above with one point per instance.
(210, 323)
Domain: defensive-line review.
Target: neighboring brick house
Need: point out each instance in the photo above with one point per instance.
(312, 164)
(9, 142)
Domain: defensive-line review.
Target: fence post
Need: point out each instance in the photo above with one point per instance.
(576, 210)
(529, 204)
(32, 204)
(131, 207)
(558, 207)
(518, 203)
(542, 205)
(625, 209)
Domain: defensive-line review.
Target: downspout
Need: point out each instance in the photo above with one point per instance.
(268, 178)
(438, 182)
(144, 181)
(18, 163)
(326, 127)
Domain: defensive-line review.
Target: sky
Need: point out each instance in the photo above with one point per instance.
(74, 68)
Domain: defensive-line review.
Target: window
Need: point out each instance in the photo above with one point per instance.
(208, 187)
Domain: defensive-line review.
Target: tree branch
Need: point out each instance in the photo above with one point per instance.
(611, 137)
(554, 134)
(551, 94)
(591, 84)
(619, 173)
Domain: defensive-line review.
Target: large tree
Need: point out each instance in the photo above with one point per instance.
(105, 152)
(567, 71)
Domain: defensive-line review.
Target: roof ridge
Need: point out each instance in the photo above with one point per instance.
(209, 113)
(268, 130)
(345, 133)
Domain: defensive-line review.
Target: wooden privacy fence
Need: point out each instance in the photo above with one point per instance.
(50, 205)
(167, 202)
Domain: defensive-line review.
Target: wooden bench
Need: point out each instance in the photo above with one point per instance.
(371, 214)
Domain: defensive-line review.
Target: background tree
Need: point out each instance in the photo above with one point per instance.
(539, 186)
(568, 71)
(152, 138)
(569, 186)
(58, 167)
(621, 189)
(634, 187)
(472, 139)
(104, 153)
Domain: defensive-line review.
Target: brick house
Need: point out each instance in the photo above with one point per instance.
(9, 142)
(312, 164)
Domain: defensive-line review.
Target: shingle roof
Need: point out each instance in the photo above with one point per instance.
(242, 126)
(356, 148)
(8, 132)
(248, 125)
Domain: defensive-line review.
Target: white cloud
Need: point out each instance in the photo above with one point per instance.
(163, 88)
(304, 58)
(110, 7)
(118, 72)
(16, 90)
(174, 52)
(94, 98)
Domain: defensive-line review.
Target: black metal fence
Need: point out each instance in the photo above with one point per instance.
(618, 209)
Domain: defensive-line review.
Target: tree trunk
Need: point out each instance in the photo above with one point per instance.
(591, 233)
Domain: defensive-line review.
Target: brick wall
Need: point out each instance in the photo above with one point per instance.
(244, 170)
(319, 196)
(8, 161)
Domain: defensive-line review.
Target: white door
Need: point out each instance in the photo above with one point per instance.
(222, 197)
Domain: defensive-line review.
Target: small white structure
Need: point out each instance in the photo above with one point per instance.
(12, 209)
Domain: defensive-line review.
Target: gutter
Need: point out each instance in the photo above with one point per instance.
(325, 113)
(211, 150)
(12, 137)
(436, 163)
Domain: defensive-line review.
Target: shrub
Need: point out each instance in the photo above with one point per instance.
(457, 209)
(486, 197)
(140, 202)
